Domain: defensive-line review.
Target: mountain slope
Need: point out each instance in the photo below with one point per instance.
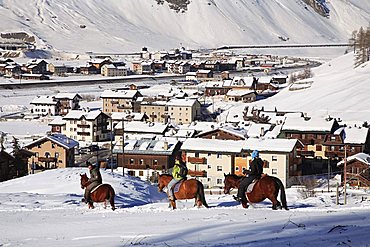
(128, 25)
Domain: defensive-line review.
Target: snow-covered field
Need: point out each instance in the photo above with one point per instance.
(45, 210)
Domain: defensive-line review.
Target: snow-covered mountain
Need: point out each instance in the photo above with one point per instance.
(126, 26)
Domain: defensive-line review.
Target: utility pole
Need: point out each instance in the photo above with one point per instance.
(345, 174)
(123, 146)
(111, 145)
(328, 174)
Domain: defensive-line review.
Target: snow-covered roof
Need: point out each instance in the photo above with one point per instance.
(353, 135)
(213, 145)
(146, 146)
(362, 157)
(255, 129)
(58, 120)
(313, 124)
(264, 79)
(119, 94)
(44, 99)
(135, 116)
(141, 127)
(60, 139)
(78, 114)
(242, 81)
(69, 96)
(239, 92)
(182, 102)
(270, 145)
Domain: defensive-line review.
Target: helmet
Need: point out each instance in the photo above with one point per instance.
(255, 154)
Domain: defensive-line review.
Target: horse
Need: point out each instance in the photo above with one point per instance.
(189, 189)
(266, 187)
(102, 193)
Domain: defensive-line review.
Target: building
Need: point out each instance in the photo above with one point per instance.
(88, 126)
(240, 95)
(183, 111)
(112, 70)
(52, 151)
(357, 170)
(144, 158)
(68, 102)
(45, 105)
(119, 100)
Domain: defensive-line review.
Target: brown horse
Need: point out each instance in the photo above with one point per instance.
(103, 193)
(266, 187)
(189, 189)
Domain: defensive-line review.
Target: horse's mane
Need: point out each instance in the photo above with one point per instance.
(234, 176)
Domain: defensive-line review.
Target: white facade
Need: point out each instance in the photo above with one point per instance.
(45, 105)
(111, 70)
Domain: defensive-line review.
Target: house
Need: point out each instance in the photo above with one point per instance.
(183, 111)
(58, 125)
(98, 63)
(213, 88)
(58, 68)
(52, 151)
(36, 66)
(224, 133)
(12, 70)
(88, 126)
(128, 116)
(191, 76)
(32, 77)
(119, 100)
(156, 110)
(145, 158)
(147, 68)
(112, 70)
(204, 74)
(240, 95)
(45, 105)
(214, 157)
(89, 69)
(137, 68)
(247, 82)
(13, 166)
(68, 102)
(136, 127)
(357, 169)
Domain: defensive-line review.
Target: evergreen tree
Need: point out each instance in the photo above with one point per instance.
(362, 46)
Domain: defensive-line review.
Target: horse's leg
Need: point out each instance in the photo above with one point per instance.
(105, 204)
(275, 202)
(173, 204)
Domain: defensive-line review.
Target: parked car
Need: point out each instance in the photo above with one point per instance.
(93, 148)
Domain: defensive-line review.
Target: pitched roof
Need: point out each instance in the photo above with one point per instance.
(141, 127)
(313, 124)
(362, 157)
(59, 139)
(69, 96)
(146, 146)
(213, 145)
(119, 94)
(78, 114)
(44, 99)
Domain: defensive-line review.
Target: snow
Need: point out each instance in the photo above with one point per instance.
(44, 209)
(57, 23)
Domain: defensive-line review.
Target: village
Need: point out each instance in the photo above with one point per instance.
(181, 119)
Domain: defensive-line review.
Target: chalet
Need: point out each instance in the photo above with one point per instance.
(11, 70)
(112, 70)
(191, 76)
(68, 102)
(89, 126)
(183, 111)
(45, 105)
(227, 66)
(99, 63)
(147, 68)
(212, 65)
(213, 88)
(280, 79)
(11, 166)
(52, 151)
(159, 66)
(137, 67)
(240, 95)
(36, 66)
(32, 77)
(58, 125)
(263, 83)
(119, 100)
(204, 74)
(89, 69)
(224, 133)
(144, 158)
(58, 68)
(238, 82)
(357, 170)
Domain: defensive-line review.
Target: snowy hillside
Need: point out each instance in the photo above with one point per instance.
(45, 210)
(126, 26)
(336, 89)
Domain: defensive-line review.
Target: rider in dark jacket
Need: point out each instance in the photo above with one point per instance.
(255, 171)
(95, 179)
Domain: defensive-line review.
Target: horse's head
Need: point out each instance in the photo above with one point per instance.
(231, 181)
(163, 181)
(84, 180)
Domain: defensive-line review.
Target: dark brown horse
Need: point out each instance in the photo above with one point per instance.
(103, 193)
(266, 187)
(189, 189)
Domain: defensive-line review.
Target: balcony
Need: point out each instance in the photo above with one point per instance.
(197, 173)
(197, 160)
(305, 153)
(47, 159)
(83, 126)
(83, 133)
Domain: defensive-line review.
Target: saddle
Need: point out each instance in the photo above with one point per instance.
(251, 185)
(176, 187)
(97, 187)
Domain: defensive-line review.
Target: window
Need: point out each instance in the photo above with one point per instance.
(52, 145)
(237, 168)
(155, 162)
(318, 148)
(209, 179)
(332, 138)
(56, 155)
(274, 171)
(209, 166)
(131, 161)
(219, 156)
(274, 158)
(209, 154)
(196, 154)
(219, 181)
(141, 173)
(36, 154)
(219, 168)
(266, 164)
(141, 161)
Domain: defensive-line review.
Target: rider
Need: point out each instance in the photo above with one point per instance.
(255, 171)
(95, 179)
(177, 177)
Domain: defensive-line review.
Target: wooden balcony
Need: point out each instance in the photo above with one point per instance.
(197, 160)
(83, 126)
(305, 153)
(47, 159)
(197, 173)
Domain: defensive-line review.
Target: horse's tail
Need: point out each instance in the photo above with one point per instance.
(112, 194)
(201, 194)
(282, 192)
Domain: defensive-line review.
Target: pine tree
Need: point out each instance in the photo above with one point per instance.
(362, 46)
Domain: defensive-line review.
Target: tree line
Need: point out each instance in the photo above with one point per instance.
(360, 40)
